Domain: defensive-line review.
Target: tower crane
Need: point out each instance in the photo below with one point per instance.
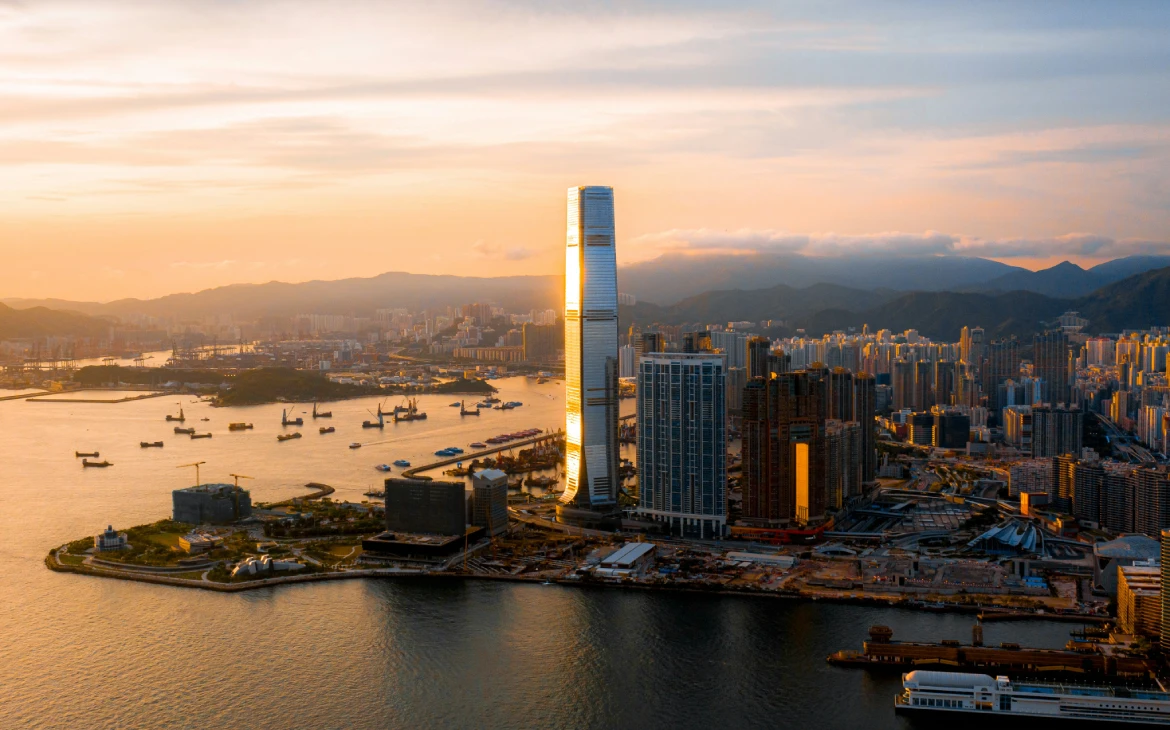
(196, 464)
(238, 477)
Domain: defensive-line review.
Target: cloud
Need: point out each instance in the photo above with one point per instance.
(834, 245)
(485, 250)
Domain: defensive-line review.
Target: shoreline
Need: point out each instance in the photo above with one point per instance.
(53, 563)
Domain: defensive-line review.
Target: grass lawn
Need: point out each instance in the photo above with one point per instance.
(71, 559)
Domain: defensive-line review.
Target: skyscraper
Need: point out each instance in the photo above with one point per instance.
(591, 365)
(1002, 363)
(784, 450)
(1050, 362)
(758, 351)
(682, 443)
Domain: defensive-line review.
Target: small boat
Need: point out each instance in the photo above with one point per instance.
(204, 419)
(101, 464)
(200, 435)
(456, 405)
(355, 445)
(326, 429)
(288, 436)
(239, 426)
(179, 429)
(455, 449)
(84, 454)
(321, 414)
(483, 404)
(383, 467)
(444, 452)
(478, 445)
(150, 444)
(402, 463)
(548, 582)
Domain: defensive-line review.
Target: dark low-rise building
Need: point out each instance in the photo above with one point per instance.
(419, 506)
(217, 504)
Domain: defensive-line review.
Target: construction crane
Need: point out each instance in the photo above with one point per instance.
(238, 477)
(196, 465)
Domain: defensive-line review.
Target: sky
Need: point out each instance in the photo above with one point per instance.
(153, 147)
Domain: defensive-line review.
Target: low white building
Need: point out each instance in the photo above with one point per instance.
(109, 540)
(265, 565)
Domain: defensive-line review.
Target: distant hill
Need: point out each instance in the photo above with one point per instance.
(1137, 302)
(669, 279)
(44, 322)
(357, 296)
(1065, 280)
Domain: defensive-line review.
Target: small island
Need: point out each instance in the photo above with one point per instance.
(267, 384)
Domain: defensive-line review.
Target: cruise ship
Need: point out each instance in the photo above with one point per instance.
(962, 700)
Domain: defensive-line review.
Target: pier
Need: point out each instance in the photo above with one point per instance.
(412, 473)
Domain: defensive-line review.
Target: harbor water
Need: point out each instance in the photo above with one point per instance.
(420, 653)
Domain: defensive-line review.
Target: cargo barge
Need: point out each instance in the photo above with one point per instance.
(881, 652)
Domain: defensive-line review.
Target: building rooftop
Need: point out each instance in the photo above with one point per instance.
(491, 474)
(1129, 547)
(627, 554)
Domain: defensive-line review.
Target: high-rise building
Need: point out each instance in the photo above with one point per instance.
(541, 342)
(923, 385)
(1165, 628)
(951, 430)
(784, 450)
(1056, 430)
(1001, 363)
(651, 343)
(591, 366)
(944, 383)
(682, 443)
(843, 462)
(1050, 363)
(758, 351)
(627, 361)
(865, 413)
(903, 382)
(489, 500)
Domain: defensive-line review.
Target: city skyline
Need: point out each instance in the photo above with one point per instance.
(176, 147)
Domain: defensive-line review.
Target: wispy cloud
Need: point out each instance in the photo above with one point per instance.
(746, 241)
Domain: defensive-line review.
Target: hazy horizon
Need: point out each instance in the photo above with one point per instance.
(155, 148)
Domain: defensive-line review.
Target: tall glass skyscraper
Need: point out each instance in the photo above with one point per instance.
(682, 443)
(591, 361)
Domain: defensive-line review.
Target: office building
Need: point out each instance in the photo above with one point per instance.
(682, 443)
(217, 504)
(920, 429)
(923, 386)
(651, 342)
(418, 506)
(489, 501)
(951, 430)
(591, 366)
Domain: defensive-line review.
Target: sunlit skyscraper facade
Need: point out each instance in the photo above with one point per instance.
(591, 361)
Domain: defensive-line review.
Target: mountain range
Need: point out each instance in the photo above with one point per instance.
(1137, 302)
(936, 295)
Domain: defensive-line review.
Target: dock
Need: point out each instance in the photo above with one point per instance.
(414, 471)
(883, 653)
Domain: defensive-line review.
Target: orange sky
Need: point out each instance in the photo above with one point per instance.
(147, 148)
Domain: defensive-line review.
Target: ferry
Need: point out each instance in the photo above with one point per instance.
(401, 462)
(968, 699)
